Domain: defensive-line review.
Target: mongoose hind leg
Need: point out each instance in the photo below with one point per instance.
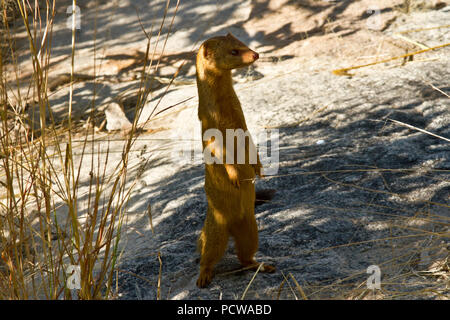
(245, 234)
(212, 244)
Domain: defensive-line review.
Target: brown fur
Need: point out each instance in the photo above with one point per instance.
(230, 189)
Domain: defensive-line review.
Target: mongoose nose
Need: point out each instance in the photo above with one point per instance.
(255, 56)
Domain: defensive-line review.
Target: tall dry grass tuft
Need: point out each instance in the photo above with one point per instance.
(46, 239)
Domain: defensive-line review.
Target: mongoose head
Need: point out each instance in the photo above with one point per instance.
(226, 53)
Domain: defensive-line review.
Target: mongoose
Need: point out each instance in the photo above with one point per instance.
(229, 187)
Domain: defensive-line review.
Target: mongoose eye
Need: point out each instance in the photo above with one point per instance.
(234, 52)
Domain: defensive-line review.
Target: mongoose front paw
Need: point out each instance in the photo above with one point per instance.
(235, 182)
(233, 175)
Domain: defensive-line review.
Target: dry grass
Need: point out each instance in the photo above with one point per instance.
(415, 260)
(10, 11)
(43, 230)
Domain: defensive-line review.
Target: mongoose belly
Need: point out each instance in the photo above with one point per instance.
(224, 196)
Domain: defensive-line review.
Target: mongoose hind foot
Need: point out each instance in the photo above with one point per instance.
(266, 268)
(204, 279)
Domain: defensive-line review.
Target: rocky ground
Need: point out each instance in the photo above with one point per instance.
(355, 186)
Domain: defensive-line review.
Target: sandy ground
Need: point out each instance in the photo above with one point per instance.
(354, 188)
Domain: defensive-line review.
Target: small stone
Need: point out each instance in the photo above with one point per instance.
(116, 118)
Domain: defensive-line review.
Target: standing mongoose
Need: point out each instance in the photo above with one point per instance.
(229, 185)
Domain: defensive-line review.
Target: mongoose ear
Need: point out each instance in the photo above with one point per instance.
(205, 50)
(229, 35)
